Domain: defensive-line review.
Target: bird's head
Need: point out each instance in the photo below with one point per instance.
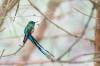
(32, 22)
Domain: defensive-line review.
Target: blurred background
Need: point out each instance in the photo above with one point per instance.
(59, 25)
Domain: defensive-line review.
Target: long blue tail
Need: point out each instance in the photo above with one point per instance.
(44, 51)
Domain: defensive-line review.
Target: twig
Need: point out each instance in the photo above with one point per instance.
(8, 7)
(16, 10)
(83, 55)
(80, 62)
(51, 20)
(13, 53)
(2, 53)
(95, 4)
(84, 13)
(46, 61)
(77, 40)
(1, 17)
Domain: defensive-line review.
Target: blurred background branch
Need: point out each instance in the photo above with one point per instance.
(81, 36)
(6, 6)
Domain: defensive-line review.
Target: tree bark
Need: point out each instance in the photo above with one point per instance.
(97, 37)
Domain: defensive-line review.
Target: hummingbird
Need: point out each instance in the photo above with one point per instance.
(27, 31)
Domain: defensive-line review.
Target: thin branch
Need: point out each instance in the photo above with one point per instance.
(64, 35)
(84, 13)
(95, 4)
(77, 40)
(12, 53)
(51, 20)
(46, 61)
(83, 55)
(1, 17)
(11, 4)
(16, 10)
(80, 62)
(2, 53)
(6, 7)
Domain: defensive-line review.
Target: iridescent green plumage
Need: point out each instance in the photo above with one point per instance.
(29, 27)
(44, 51)
(27, 31)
